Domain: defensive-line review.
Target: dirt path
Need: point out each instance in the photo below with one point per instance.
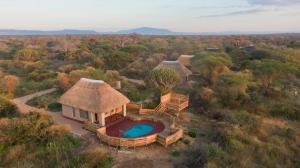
(75, 127)
(135, 81)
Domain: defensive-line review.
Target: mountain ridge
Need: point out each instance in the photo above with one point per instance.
(141, 31)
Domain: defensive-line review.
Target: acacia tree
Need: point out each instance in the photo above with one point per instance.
(266, 71)
(231, 87)
(239, 56)
(117, 60)
(27, 55)
(210, 66)
(164, 79)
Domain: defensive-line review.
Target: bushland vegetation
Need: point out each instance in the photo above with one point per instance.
(250, 96)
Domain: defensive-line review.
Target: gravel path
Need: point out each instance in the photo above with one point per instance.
(76, 128)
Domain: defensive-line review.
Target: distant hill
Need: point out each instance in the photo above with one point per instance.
(39, 32)
(142, 31)
(147, 31)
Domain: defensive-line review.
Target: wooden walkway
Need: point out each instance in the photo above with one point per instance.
(75, 127)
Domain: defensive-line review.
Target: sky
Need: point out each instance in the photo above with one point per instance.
(176, 15)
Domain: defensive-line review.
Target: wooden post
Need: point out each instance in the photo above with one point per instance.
(92, 117)
(102, 119)
(124, 110)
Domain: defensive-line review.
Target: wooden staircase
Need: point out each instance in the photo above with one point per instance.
(91, 126)
(161, 108)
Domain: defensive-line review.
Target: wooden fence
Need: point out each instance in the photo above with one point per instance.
(137, 142)
(166, 141)
(134, 106)
(125, 142)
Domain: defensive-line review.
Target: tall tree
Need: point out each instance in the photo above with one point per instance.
(210, 66)
(231, 87)
(163, 79)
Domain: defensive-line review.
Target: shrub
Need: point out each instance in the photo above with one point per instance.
(192, 133)
(54, 106)
(186, 141)
(175, 153)
(212, 151)
(7, 109)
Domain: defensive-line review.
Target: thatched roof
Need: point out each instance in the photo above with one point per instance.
(94, 96)
(185, 59)
(177, 66)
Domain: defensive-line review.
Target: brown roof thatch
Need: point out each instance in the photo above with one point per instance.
(185, 59)
(177, 66)
(94, 96)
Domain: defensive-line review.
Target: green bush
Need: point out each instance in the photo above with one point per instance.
(7, 109)
(54, 106)
(175, 153)
(212, 151)
(192, 133)
(186, 141)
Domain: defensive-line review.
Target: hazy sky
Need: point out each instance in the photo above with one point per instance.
(177, 15)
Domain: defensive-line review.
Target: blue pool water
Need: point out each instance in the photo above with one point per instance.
(138, 130)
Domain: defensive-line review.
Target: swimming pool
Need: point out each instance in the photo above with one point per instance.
(138, 130)
(130, 128)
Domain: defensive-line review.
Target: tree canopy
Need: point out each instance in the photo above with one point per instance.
(164, 79)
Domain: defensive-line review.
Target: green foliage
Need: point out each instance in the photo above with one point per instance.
(210, 66)
(7, 109)
(239, 56)
(294, 44)
(27, 55)
(245, 120)
(28, 86)
(289, 109)
(231, 88)
(48, 101)
(186, 141)
(192, 133)
(266, 71)
(164, 79)
(175, 153)
(117, 60)
(54, 106)
(212, 151)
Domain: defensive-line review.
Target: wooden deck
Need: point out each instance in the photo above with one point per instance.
(137, 142)
(175, 102)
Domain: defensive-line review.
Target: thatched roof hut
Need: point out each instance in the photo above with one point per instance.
(93, 100)
(94, 96)
(182, 71)
(185, 59)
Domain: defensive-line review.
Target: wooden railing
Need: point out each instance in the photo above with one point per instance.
(88, 125)
(166, 141)
(137, 142)
(125, 142)
(160, 108)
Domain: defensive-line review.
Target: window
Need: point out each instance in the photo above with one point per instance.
(84, 114)
(74, 113)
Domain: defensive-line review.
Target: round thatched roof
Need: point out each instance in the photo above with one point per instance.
(93, 96)
(177, 66)
(185, 59)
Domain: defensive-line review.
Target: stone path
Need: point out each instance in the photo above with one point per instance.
(75, 127)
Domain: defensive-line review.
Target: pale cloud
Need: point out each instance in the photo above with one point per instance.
(273, 2)
(236, 13)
